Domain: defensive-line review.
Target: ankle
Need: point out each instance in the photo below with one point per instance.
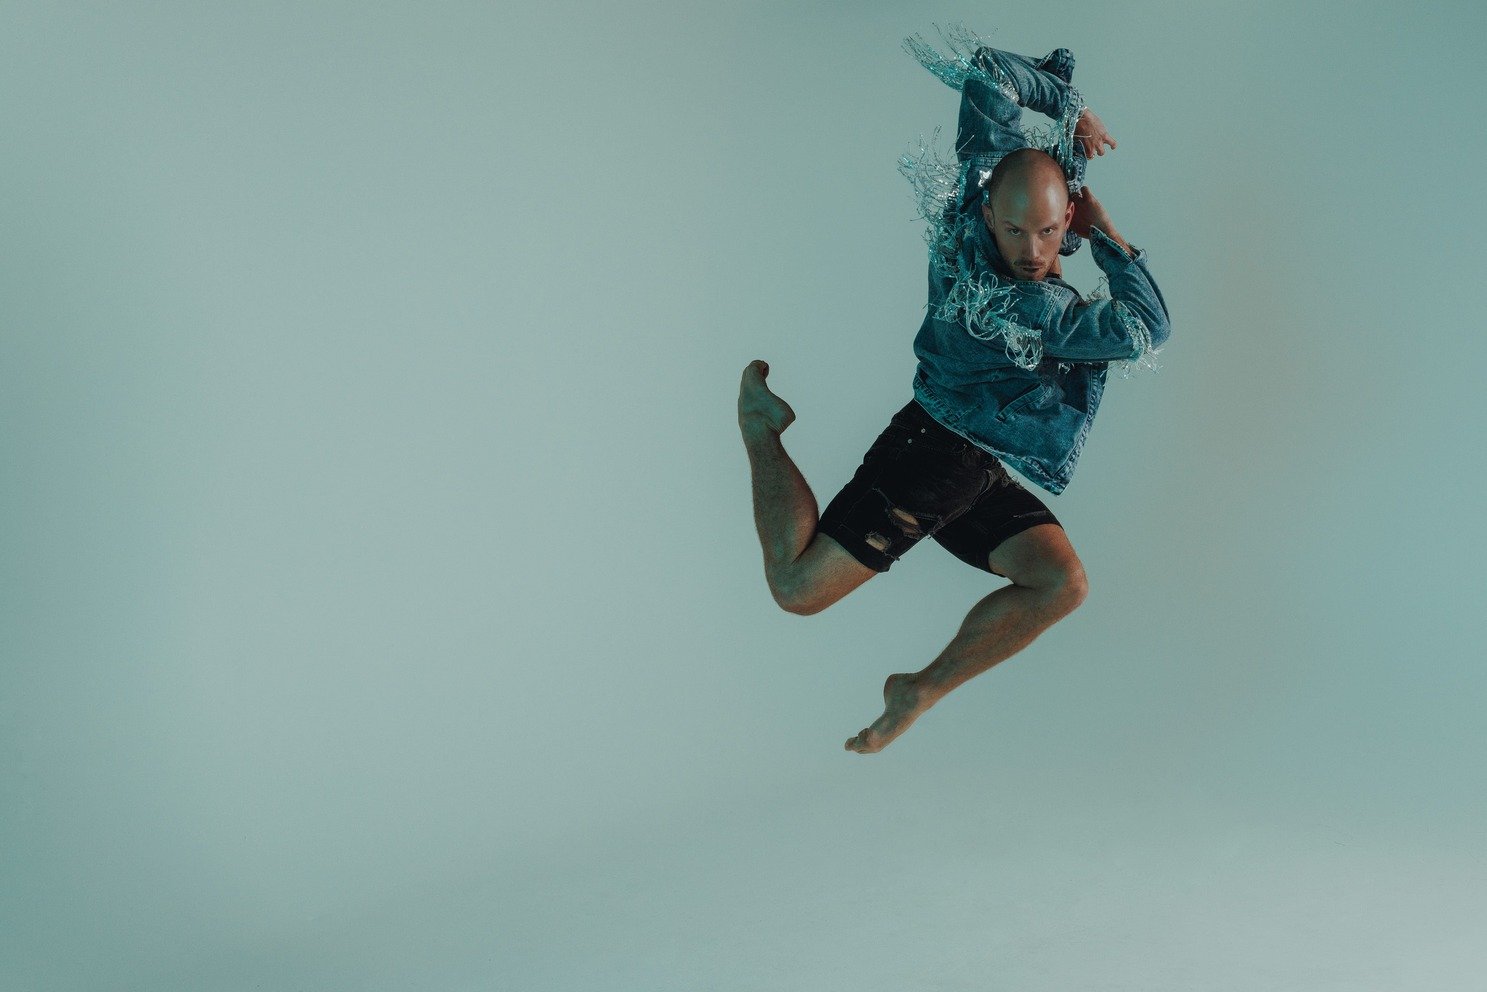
(758, 432)
(934, 682)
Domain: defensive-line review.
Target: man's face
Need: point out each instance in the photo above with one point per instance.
(1029, 225)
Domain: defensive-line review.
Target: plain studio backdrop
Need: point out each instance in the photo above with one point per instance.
(382, 606)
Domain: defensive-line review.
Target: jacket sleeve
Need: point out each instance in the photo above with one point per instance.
(1133, 321)
(1031, 87)
(998, 87)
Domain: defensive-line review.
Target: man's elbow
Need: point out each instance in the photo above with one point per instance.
(1160, 332)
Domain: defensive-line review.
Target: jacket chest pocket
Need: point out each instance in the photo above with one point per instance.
(1056, 300)
(1035, 307)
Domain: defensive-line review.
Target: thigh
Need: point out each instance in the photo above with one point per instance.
(915, 479)
(825, 572)
(1006, 509)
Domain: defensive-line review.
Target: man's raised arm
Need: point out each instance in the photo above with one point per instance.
(1134, 320)
(992, 99)
(1029, 86)
(995, 85)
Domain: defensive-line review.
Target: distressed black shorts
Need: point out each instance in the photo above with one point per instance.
(920, 479)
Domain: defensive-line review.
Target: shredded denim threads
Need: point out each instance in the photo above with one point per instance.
(936, 180)
(938, 184)
(953, 70)
(976, 302)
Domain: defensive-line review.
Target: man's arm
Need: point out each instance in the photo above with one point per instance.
(1132, 321)
(998, 87)
(1031, 87)
(995, 85)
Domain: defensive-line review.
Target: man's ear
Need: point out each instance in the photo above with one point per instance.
(1069, 213)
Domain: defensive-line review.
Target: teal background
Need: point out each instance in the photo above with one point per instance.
(381, 602)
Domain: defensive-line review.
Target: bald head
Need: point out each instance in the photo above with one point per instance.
(1029, 174)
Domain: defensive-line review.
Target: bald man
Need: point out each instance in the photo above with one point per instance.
(1012, 365)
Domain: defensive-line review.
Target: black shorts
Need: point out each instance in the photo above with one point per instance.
(921, 479)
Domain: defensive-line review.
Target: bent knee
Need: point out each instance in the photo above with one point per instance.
(1069, 587)
(1061, 588)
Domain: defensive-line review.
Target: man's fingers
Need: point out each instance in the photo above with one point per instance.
(1095, 144)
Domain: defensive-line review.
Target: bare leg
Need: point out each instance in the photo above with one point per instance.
(806, 571)
(1000, 625)
(785, 510)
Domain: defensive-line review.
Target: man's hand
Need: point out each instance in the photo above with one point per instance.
(1087, 211)
(1090, 132)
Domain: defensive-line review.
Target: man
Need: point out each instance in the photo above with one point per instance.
(1012, 365)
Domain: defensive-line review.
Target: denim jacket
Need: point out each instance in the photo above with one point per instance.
(1018, 366)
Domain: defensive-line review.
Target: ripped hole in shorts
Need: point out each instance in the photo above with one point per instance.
(907, 522)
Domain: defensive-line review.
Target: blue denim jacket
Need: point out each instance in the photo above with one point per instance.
(1018, 366)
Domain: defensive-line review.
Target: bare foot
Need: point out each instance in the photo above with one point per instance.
(758, 408)
(905, 700)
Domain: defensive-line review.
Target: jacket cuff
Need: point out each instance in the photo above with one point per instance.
(1135, 328)
(1102, 243)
